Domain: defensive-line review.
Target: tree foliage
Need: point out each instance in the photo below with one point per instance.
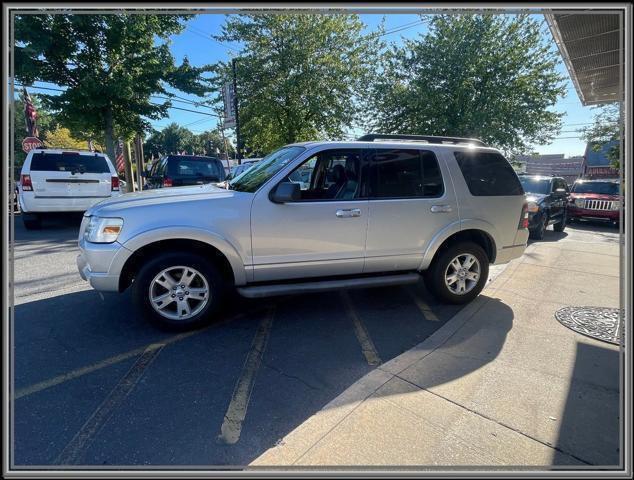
(176, 139)
(45, 122)
(299, 75)
(110, 65)
(605, 128)
(491, 77)
(61, 137)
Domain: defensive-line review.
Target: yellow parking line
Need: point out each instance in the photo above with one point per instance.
(367, 345)
(51, 382)
(423, 307)
(237, 410)
(74, 451)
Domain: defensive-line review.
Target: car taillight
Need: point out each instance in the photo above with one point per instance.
(115, 184)
(524, 217)
(25, 181)
(167, 182)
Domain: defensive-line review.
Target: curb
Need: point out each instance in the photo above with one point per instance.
(298, 442)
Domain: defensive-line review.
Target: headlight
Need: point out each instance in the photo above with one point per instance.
(533, 207)
(103, 230)
(580, 202)
(615, 206)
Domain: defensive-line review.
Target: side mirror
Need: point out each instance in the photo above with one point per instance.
(286, 192)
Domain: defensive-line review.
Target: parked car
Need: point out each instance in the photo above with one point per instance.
(183, 170)
(64, 181)
(372, 214)
(243, 167)
(547, 203)
(596, 200)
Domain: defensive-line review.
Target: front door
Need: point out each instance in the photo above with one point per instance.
(321, 234)
(411, 199)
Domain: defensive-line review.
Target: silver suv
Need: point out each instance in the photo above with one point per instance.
(378, 211)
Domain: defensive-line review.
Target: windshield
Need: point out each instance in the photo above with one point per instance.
(534, 185)
(604, 188)
(253, 178)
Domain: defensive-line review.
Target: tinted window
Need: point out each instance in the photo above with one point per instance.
(605, 188)
(193, 167)
(69, 162)
(535, 185)
(488, 174)
(405, 173)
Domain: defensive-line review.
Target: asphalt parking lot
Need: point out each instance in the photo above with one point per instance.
(94, 384)
(97, 385)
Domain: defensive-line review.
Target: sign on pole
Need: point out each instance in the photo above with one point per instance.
(30, 143)
(229, 98)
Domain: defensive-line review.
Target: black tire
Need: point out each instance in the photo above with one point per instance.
(561, 225)
(32, 221)
(435, 274)
(141, 289)
(538, 233)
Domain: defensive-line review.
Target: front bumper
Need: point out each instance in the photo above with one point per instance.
(610, 215)
(98, 264)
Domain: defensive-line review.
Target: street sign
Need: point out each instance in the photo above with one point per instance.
(229, 98)
(30, 143)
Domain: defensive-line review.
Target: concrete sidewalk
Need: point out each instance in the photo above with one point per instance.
(501, 384)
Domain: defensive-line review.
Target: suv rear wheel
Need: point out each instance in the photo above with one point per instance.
(459, 273)
(32, 221)
(178, 291)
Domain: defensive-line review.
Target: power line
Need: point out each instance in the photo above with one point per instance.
(204, 35)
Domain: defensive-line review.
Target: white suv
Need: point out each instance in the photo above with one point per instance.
(368, 213)
(64, 181)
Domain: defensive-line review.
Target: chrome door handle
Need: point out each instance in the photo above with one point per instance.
(347, 213)
(441, 208)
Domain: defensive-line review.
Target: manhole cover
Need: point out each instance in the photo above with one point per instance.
(597, 322)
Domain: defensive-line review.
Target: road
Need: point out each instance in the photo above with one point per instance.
(95, 384)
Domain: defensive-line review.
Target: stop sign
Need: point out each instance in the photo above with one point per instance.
(29, 143)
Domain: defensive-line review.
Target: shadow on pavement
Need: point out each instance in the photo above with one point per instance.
(590, 424)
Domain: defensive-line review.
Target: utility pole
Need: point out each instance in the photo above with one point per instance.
(235, 103)
(138, 143)
(224, 141)
(128, 166)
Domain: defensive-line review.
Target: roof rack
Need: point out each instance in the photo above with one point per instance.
(370, 137)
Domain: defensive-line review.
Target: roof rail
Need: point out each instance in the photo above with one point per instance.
(370, 137)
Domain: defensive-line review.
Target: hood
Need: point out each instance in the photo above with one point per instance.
(535, 197)
(159, 196)
(595, 196)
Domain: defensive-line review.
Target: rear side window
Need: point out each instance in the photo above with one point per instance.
(69, 162)
(488, 174)
(405, 173)
(192, 167)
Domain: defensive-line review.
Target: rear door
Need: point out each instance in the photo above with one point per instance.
(410, 200)
(70, 175)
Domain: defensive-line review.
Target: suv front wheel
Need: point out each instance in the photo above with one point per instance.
(459, 273)
(178, 291)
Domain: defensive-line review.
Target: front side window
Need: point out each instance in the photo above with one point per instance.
(253, 178)
(405, 173)
(488, 174)
(329, 175)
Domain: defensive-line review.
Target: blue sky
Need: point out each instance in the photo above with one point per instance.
(195, 43)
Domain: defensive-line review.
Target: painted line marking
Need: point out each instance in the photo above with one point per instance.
(76, 448)
(367, 345)
(237, 410)
(423, 307)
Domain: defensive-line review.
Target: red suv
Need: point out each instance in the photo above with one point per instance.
(595, 200)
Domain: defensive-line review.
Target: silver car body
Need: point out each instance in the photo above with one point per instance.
(265, 241)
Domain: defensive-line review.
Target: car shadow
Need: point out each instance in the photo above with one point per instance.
(56, 227)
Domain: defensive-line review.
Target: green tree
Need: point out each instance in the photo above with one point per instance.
(175, 139)
(487, 76)
(605, 128)
(110, 66)
(61, 137)
(299, 76)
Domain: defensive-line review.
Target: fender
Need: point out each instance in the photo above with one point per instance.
(189, 233)
(451, 229)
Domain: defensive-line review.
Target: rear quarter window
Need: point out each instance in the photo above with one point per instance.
(488, 174)
(69, 162)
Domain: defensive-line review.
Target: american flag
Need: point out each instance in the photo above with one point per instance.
(119, 157)
(30, 115)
